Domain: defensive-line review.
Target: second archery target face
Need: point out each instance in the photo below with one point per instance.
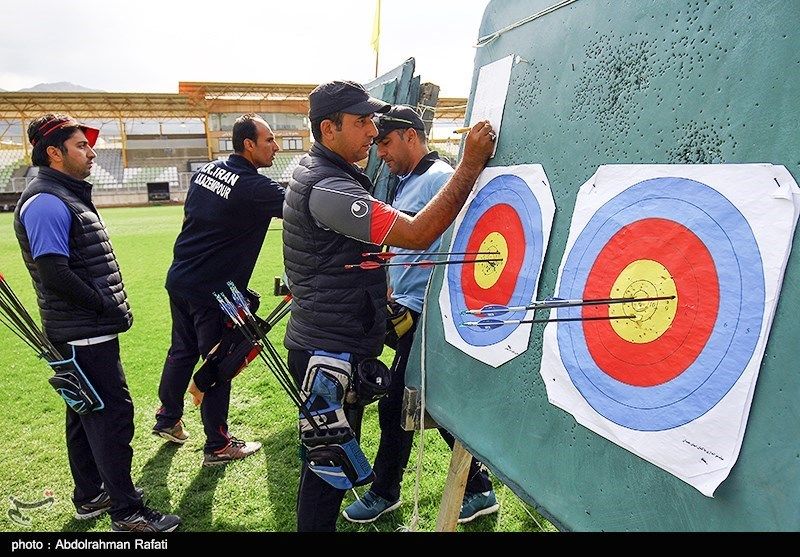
(652, 375)
(509, 215)
(674, 359)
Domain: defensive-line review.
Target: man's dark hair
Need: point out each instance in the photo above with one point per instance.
(41, 138)
(244, 128)
(422, 136)
(337, 118)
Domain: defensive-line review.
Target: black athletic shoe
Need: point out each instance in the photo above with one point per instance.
(98, 506)
(146, 520)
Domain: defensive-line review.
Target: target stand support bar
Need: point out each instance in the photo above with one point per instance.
(456, 482)
(410, 413)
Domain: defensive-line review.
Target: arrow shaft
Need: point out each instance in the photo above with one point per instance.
(447, 262)
(424, 263)
(390, 254)
(558, 319)
(554, 304)
(250, 329)
(494, 324)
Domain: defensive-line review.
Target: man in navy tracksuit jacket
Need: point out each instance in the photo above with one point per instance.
(227, 213)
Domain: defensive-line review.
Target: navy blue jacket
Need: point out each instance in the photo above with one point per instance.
(226, 216)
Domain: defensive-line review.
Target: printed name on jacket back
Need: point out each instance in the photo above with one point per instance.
(212, 177)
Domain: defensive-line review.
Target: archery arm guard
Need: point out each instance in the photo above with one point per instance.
(331, 449)
(74, 387)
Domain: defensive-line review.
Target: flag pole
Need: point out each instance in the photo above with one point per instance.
(376, 33)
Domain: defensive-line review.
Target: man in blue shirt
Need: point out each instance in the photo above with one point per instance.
(84, 307)
(226, 216)
(402, 145)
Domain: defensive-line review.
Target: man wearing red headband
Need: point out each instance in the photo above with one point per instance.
(83, 307)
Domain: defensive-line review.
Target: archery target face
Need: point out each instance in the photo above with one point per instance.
(509, 215)
(670, 361)
(503, 218)
(672, 380)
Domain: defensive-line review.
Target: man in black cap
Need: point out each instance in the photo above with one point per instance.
(403, 146)
(338, 317)
(84, 307)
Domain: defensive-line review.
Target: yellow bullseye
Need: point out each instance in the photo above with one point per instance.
(487, 274)
(644, 278)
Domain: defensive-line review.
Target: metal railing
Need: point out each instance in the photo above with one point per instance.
(18, 184)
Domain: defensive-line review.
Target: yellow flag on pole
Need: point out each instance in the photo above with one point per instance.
(376, 28)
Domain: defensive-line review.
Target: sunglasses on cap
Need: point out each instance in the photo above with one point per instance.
(384, 118)
(59, 123)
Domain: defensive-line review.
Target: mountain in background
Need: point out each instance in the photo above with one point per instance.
(59, 87)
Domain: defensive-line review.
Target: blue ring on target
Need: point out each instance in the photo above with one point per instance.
(511, 190)
(733, 339)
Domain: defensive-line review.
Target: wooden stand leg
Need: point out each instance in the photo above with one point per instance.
(454, 489)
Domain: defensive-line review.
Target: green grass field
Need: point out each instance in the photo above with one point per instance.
(257, 494)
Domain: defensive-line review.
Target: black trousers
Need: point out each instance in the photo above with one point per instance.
(99, 443)
(196, 329)
(394, 449)
(318, 502)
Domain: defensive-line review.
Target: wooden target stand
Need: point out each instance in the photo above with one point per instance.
(457, 473)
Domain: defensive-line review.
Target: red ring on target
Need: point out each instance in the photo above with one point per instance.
(504, 220)
(692, 268)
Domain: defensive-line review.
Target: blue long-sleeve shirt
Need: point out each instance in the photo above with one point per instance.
(413, 192)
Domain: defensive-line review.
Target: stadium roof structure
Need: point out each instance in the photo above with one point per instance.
(451, 108)
(216, 97)
(193, 100)
(202, 91)
(26, 106)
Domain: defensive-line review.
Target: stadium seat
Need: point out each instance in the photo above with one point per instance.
(10, 161)
(282, 167)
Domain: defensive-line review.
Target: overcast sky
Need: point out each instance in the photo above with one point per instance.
(151, 45)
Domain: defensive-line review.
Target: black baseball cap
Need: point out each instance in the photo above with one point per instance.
(342, 96)
(399, 117)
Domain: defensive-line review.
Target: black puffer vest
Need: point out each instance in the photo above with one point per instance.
(91, 257)
(334, 309)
